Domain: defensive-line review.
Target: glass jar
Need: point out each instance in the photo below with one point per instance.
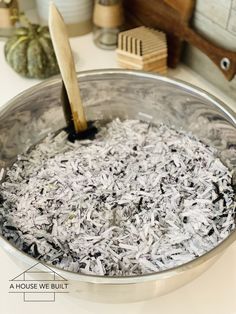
(8, 17)
(77, 14)
(107, 18)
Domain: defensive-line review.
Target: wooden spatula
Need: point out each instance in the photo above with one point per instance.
(66, 64)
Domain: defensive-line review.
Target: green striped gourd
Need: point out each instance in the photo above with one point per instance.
(30, 52)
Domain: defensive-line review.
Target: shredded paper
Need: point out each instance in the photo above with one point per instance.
(137, 199)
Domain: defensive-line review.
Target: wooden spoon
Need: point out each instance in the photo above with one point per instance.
(66, 64)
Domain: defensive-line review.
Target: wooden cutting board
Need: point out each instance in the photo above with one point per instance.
(150, 13)
(184, 8)
(173, 17)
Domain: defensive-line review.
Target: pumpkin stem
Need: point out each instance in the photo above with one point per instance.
(24, 20)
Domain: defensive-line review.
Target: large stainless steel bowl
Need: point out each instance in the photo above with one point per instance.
(126, 94)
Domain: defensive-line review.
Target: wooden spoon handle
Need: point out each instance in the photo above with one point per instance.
(66, 64)
(223, 58)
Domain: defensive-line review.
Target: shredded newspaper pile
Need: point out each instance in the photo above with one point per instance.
(137, 199)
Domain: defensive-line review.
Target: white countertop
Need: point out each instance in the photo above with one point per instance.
(212, 293)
